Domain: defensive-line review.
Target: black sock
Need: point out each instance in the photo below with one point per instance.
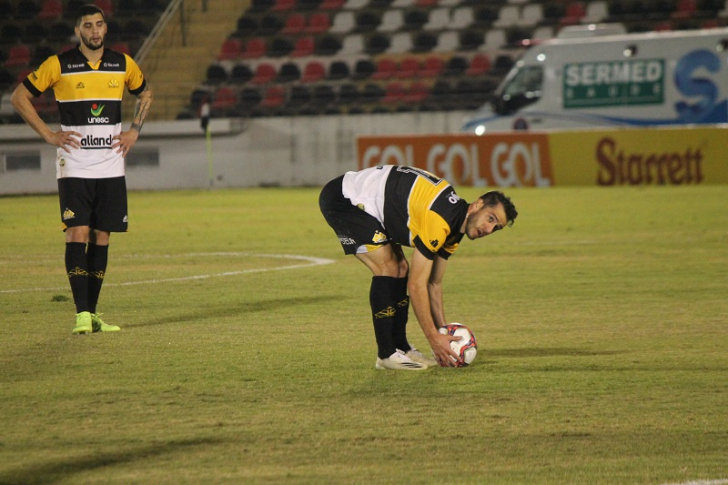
(97, 256)
(384, 307)
(77, 270)
(399, 329)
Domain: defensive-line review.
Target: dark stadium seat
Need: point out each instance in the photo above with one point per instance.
(216, 74)
(288, 72)
(338, 70)
(241, 74)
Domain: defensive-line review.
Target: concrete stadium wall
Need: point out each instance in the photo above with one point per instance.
(258, 152)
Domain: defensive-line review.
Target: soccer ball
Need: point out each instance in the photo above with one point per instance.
(466, 347)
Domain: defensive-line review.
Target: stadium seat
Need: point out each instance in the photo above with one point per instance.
(254, 48)
(270, 24)
(456, 66)
(531, 15)
(417, 92)
(508, 16)
(280, 47)
(318, 23)
(249, 98)
(363, 69)
(685, 9)
(376, 44)
(409, 67)
(332, 4)
(338, 70)
(323, 95)
(122, 47)
(288, 72)
(386, 68)
(401, 43)
(367, 21)
(495, 39)
(461, 18)
(230, 49)
(264, 73)
(425, 3)
(51, 9)
(402, 3)
(274, 97)
(432, 66)
(295, 24)
(241, 74)
(216, 74)
(575, 11)
(26, 9)
(327, 45)
(596, 11)
(35, 32)
(392, 20)
(394, 93)
(355, 4)
(415, 19)
(224, 100)
(107, 6)
(352, 44)
(305, 46)
(447, 41)
(247, 26)
(283, 5)
(344, 22)
(313, 71)
(348, 94)
(18, 56)
(424, 41)
(438, 20)
(479, 65)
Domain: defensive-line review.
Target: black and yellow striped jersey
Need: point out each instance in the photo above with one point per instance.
(415, 207)
(89, 101)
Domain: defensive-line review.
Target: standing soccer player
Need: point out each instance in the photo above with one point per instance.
(377, 210)
(88, 82)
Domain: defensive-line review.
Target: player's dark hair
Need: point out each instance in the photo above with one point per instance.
(496, 197)
(88, 9)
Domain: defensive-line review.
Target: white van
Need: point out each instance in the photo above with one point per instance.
(601, 79)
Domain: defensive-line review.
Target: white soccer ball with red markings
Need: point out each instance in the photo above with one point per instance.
(466, 347)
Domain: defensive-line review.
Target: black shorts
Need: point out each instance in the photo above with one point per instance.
(358, 232)
(97, 203)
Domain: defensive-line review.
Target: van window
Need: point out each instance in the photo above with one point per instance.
(521, 88)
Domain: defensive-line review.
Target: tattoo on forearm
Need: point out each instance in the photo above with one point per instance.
(141, 109)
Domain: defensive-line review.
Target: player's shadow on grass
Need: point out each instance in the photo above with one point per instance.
(244, 308)
(62, 470)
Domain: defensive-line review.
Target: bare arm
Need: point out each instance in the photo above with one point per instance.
(21, 101)
(127, 139)
(421, 272)
(434, 287)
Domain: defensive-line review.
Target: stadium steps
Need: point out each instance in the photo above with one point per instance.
(175, 70)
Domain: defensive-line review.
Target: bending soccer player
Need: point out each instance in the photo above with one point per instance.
(377, 210)
(88, 82)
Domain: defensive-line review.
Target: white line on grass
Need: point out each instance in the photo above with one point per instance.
(308, 261)
(721, 481)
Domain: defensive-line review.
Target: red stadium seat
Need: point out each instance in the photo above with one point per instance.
(264, 73)
(106, 6)
(305, 46)
(281, 5)
(685, 9)
(18, 56)
(394, 93)
(575, 11)
(51, 9)
(318, 23)
(313, 71)
(274, 97)
(416, 93)
(331, 4)
(409, 67)
(295, 24)
(385, 68)
(254, 48)
(230, 49)
(480, 64)
(225, 97)
(432, 66)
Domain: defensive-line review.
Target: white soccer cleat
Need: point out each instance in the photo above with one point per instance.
(398, 361)
(418, 356)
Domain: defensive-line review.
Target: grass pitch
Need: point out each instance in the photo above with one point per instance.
(601, 317)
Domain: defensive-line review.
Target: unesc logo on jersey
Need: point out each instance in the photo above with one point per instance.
(97, 119)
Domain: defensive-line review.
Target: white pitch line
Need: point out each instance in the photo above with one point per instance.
(721, 481)
(309, 261)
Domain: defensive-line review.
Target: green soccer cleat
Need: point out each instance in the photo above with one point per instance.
(83, 324)
(100, 326)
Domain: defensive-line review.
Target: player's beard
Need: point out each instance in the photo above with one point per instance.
(90, 45)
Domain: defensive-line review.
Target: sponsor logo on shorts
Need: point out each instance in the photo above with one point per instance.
(379, 238)
(68, 214)
(346, 241)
